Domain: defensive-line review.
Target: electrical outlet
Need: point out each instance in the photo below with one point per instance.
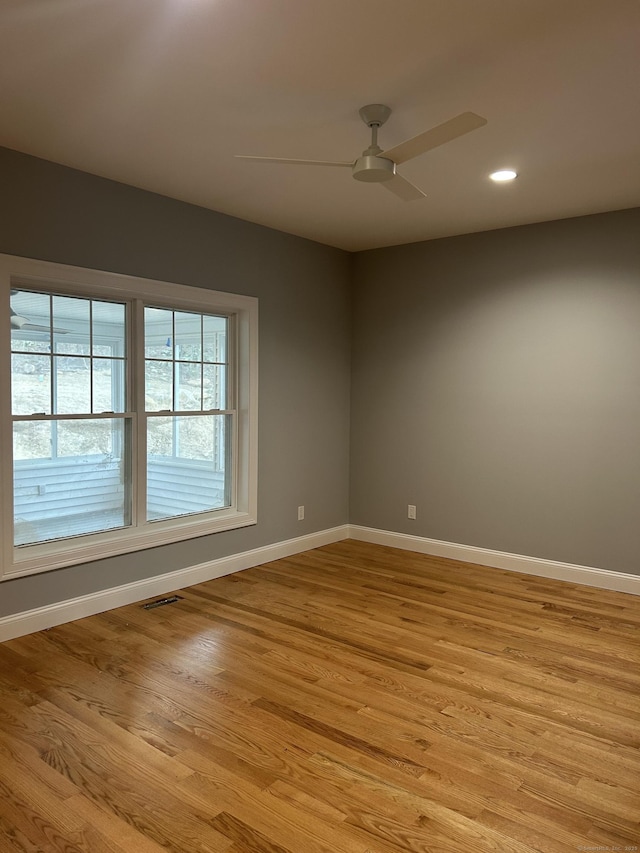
(300, 513)
(411, 511)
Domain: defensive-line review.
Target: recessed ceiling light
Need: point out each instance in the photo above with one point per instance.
(503, 175)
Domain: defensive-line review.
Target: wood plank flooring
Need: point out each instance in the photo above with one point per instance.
(351, 699)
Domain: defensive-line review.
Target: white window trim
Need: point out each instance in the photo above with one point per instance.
(46, 275)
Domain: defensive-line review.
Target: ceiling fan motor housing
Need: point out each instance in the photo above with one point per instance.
(373, 169)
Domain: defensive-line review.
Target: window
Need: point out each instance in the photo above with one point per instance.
(186, 370)
(127, 414)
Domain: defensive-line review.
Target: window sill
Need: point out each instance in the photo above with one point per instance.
(34, 559)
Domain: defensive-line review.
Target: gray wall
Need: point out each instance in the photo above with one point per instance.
(58, 214)
(495, 377)
(496, 385)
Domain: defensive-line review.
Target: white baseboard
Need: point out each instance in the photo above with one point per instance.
(19, 624)
(585, 575)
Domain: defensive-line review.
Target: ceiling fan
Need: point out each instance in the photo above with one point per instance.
(378, 166)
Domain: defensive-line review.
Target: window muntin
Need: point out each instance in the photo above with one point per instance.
(227, 370)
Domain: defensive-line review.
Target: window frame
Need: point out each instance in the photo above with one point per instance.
(242, 310)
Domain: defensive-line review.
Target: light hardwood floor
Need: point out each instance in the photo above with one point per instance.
(352, 698)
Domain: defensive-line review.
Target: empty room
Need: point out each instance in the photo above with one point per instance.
(319, 419)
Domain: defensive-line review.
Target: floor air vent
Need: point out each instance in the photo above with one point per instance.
(161, 601)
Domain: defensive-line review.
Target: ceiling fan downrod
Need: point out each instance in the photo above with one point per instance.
(371, 167)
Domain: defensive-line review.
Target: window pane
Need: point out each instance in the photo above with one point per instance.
(71, 325)
(188, 386)
(32, 440)
(215, 339)
(30, 384)
(187, 469)
(108, 329)
(108, 385)
(88, 437)
(188, 328)
(30, 322)
(158, 333)
(79, 492)
(160, 437)
(214, 386)
(72, 386)
(158, 385)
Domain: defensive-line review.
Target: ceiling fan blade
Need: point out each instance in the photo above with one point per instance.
(22, 324)
(446, 132)
(403, 188)
(294, 162)
(17, 322)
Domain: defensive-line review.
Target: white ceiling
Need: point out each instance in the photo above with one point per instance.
(161, 94)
